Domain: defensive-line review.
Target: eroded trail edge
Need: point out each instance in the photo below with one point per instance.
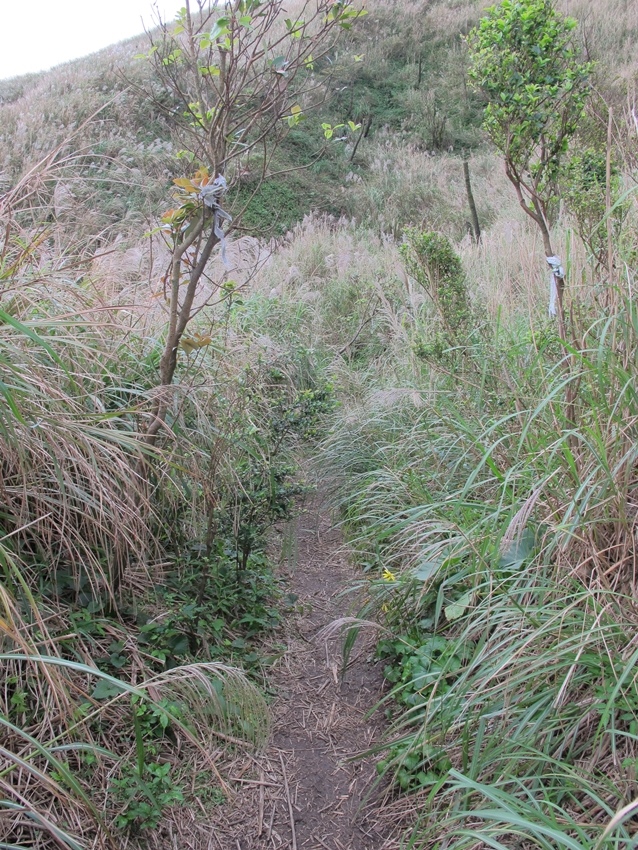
(309, 790)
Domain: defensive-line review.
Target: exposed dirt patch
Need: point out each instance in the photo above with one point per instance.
(309, 791)
(322, 720)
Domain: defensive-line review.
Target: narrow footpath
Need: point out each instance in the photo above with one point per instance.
(309, 791)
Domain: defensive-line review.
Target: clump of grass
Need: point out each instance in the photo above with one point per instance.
(89, 511)
(500, 530)
(496, 528)
(78, 742)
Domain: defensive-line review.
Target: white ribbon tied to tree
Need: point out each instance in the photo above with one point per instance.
(211, 196)
(558, 273)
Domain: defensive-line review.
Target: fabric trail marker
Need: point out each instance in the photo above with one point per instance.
(558, 273)
(211, 196)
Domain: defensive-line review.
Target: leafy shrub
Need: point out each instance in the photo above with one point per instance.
(432, 262)
(585, 191)
(145, 797)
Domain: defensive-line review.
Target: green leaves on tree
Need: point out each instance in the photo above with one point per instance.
(524, 62)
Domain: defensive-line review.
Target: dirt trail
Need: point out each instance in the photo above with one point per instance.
(304, 793)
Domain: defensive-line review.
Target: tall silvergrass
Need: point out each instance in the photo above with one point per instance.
(72, 493)
(505, 440)
(55, 773)
(84, 503)
(80, 517)
(505, 521)
(70, 380)
(333, 290)
(538, 722)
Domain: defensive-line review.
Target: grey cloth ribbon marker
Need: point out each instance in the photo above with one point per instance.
(211, 196)
(558, 273)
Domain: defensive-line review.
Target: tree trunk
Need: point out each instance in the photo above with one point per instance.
(470, 199)
(540, 218)
(536, 212)
(610, 231)
(180, 316)
(362, 135)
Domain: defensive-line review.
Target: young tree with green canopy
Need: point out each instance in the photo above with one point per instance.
(524, 61)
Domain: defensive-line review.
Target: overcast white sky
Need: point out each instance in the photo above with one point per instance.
(37, 34)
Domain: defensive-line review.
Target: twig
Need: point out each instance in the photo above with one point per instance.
(361, 327)
(330, 805)
(272, 820)
(261, 806)
(261, 782)
(289, 801)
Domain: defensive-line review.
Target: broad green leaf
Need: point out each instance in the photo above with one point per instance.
(219, 29)
(106, 690)
(458, 608)
(426, 570)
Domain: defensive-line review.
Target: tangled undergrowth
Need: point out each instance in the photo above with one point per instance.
(497, 526)
(136, 582)
(483, 468)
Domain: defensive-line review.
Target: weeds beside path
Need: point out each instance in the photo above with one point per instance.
(304, 792)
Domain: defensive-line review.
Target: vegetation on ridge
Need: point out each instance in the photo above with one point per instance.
(482, 462)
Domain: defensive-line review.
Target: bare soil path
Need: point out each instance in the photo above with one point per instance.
(307, 792)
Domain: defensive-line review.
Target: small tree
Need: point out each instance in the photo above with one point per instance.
(523, 60)
(430, 259)
(234, 77)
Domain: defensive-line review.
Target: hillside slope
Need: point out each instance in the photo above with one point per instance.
(481, 461)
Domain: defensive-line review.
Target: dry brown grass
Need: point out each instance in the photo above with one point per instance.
(88, 305)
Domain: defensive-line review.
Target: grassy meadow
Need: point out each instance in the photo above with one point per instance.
(483, 469)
